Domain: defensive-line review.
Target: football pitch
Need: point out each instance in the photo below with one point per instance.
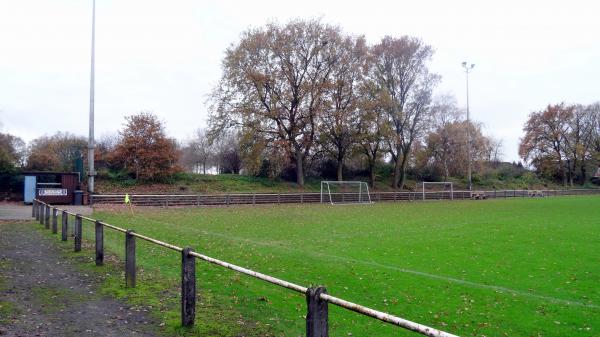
(515, 267)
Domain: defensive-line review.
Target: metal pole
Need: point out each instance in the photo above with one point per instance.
(467, 71)
(468, 138)
(91, 135)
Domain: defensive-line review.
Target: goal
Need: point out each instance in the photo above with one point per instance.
(438, 190)
(345, 192)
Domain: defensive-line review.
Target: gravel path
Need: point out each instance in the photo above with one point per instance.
(43, 294)
(18, 211)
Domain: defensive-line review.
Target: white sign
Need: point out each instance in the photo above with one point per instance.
(52, 192)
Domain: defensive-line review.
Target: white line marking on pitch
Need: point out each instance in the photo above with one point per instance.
(416, 272)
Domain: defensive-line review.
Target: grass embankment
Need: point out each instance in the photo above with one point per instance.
(206, 183)
(222, 183)
(517, 267)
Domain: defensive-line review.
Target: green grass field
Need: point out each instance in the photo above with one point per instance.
(522, 267)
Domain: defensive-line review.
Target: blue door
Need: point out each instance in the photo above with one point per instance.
(30, 186)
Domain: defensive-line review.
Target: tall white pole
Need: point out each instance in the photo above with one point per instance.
(91, 144)
(467, 71)
(468, 137)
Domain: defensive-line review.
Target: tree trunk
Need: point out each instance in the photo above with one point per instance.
(583, 172)
(446, 170)
(340, 167)
(372, 174)
(403, 169)
(572, 168)
(397, 168)
(299, 168)
(204, 168)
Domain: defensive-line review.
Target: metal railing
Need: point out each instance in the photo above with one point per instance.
(167, 200)
(317, 318)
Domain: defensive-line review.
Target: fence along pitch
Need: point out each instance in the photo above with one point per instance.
(317, 298)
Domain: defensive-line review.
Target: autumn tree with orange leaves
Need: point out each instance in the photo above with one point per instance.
(560, 140)
(144, 149)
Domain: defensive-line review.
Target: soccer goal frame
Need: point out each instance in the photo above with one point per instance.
(444, 183)
(361, 194)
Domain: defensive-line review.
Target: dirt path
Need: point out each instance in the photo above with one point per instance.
(43, 294)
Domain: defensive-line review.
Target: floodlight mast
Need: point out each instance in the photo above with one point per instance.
(467, 71)
(91, 145)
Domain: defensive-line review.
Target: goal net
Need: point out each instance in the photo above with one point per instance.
(345, 192)
(438, 190)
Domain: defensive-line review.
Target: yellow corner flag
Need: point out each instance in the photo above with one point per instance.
(128, 202)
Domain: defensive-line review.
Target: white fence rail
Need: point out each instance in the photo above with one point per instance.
(167, 200)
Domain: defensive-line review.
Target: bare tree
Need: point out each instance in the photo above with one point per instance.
(227, 153)
(579, 142)
(442, 143)
(198, 152)
(373, 127)
(495, 153)
(401, 71)
(339, 122)
(273, 84)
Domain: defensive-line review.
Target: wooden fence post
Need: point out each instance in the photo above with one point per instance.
(188, 287)
(47, 217)
(54, 220)
(317, 314)
(77, 231)
(65, 226)
(129, 259)
(33, 209)
(99, 243)
(41, 213)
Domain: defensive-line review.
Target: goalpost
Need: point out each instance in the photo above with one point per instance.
(445, 185)
(345, 192)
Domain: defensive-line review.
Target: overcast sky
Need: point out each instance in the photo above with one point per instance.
(164, 56)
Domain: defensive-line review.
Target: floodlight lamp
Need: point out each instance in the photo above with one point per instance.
(464, 64)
